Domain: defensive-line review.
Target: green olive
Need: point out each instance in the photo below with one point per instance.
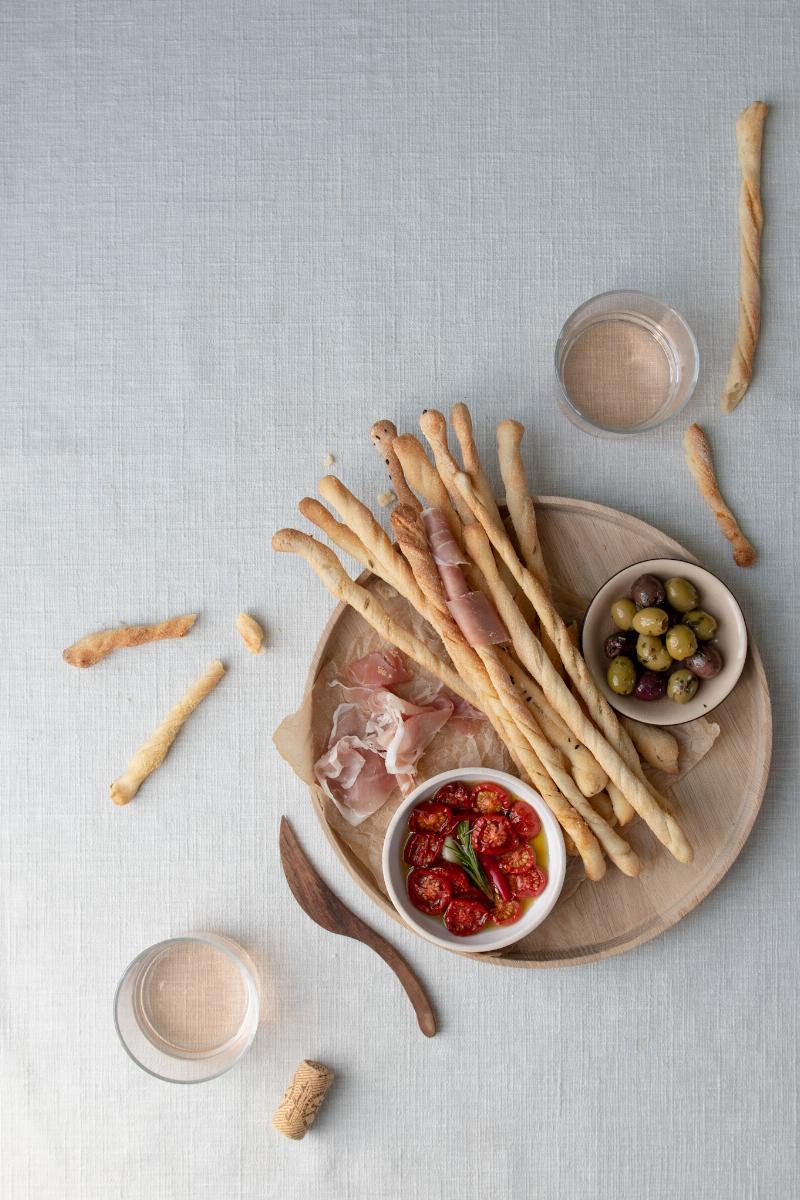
(702, 623)
(652, 653)
(682, 594)
(682, 686)
(621, 675)
(681, 642)
(622, 612)
(651, 620)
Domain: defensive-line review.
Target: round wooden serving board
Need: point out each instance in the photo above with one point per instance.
(718, 800)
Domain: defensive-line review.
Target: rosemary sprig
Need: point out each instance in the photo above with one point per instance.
(463, 852)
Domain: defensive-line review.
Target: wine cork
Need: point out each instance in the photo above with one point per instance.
(298, 1108)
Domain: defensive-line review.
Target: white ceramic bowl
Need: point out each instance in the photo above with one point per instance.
(433, 928)
(730, 640)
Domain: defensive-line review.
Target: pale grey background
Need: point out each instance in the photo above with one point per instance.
(233, 234)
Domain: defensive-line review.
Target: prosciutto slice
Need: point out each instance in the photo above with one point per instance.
(473, 612)
(377, 737)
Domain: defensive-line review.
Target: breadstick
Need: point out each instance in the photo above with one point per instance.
(586, 771)
(523, 515)
(434, 426)
(461, 422)
(530, 650)
(749, 136)
(518, 499)
(701, 465)
(413, 543)
(655, 745)
(623, 811)
(338, 533)
(383, 434)
(154, 751)
(327, 566)
(425, 479)
(96, 646)
(250, 632)
(361, 522)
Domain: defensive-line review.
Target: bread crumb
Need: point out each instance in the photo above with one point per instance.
(251, 632)
(330, 459)
(386, 498)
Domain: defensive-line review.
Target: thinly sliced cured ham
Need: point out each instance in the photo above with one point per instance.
(378, 737)
(382, 668)
(473, 612)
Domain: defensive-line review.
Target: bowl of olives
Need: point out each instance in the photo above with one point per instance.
(665, 641)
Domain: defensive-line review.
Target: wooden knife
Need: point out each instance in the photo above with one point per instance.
(318, 901)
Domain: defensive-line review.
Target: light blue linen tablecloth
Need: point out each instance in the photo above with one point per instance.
(234, 233)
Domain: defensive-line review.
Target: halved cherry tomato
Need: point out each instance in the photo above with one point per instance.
(460, 814)
(496, 876)
(519, 860)
(506, 912)
(423, 849)
(529, 883)
(489, 798)
(524, 819)
(430, 817)
(473, 893)
(429, 891)
(493, 834)
(464, 917)
(455, 795)
(458, 878)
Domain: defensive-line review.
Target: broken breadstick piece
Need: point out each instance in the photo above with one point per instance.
(656, 746)
(701, 465)
(95, 646)
(749, 137)
(154, 751)
(251, 632)
(298, 1109)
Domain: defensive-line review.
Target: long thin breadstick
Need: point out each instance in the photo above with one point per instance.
(530, 650)
(518, 498)
(461, 422)
(96, 646)
(434, 426)
(383, 434)
(413, 543)
(749, 137)
(425, 479)
(154, 751)
(701, 465)
(655, 745)
(338, 532)
(327, 567)
(586, 771)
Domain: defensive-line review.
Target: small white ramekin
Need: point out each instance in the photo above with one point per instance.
(433, 928)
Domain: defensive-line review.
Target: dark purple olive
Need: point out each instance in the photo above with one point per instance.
(706, 662)
(650, 687)
(648, 592)
(623, 642)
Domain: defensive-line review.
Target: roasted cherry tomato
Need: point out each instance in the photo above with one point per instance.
(506, 912)
(524, 819)
(429, 891)
(464, 917)
(519, 860)
(430, 817)
(472, 893)
(495, 876)
(489, 798)
(423, 849)
(461, 814)
(493, 834)
(454, 795)
(529, 883)
(457, 878)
